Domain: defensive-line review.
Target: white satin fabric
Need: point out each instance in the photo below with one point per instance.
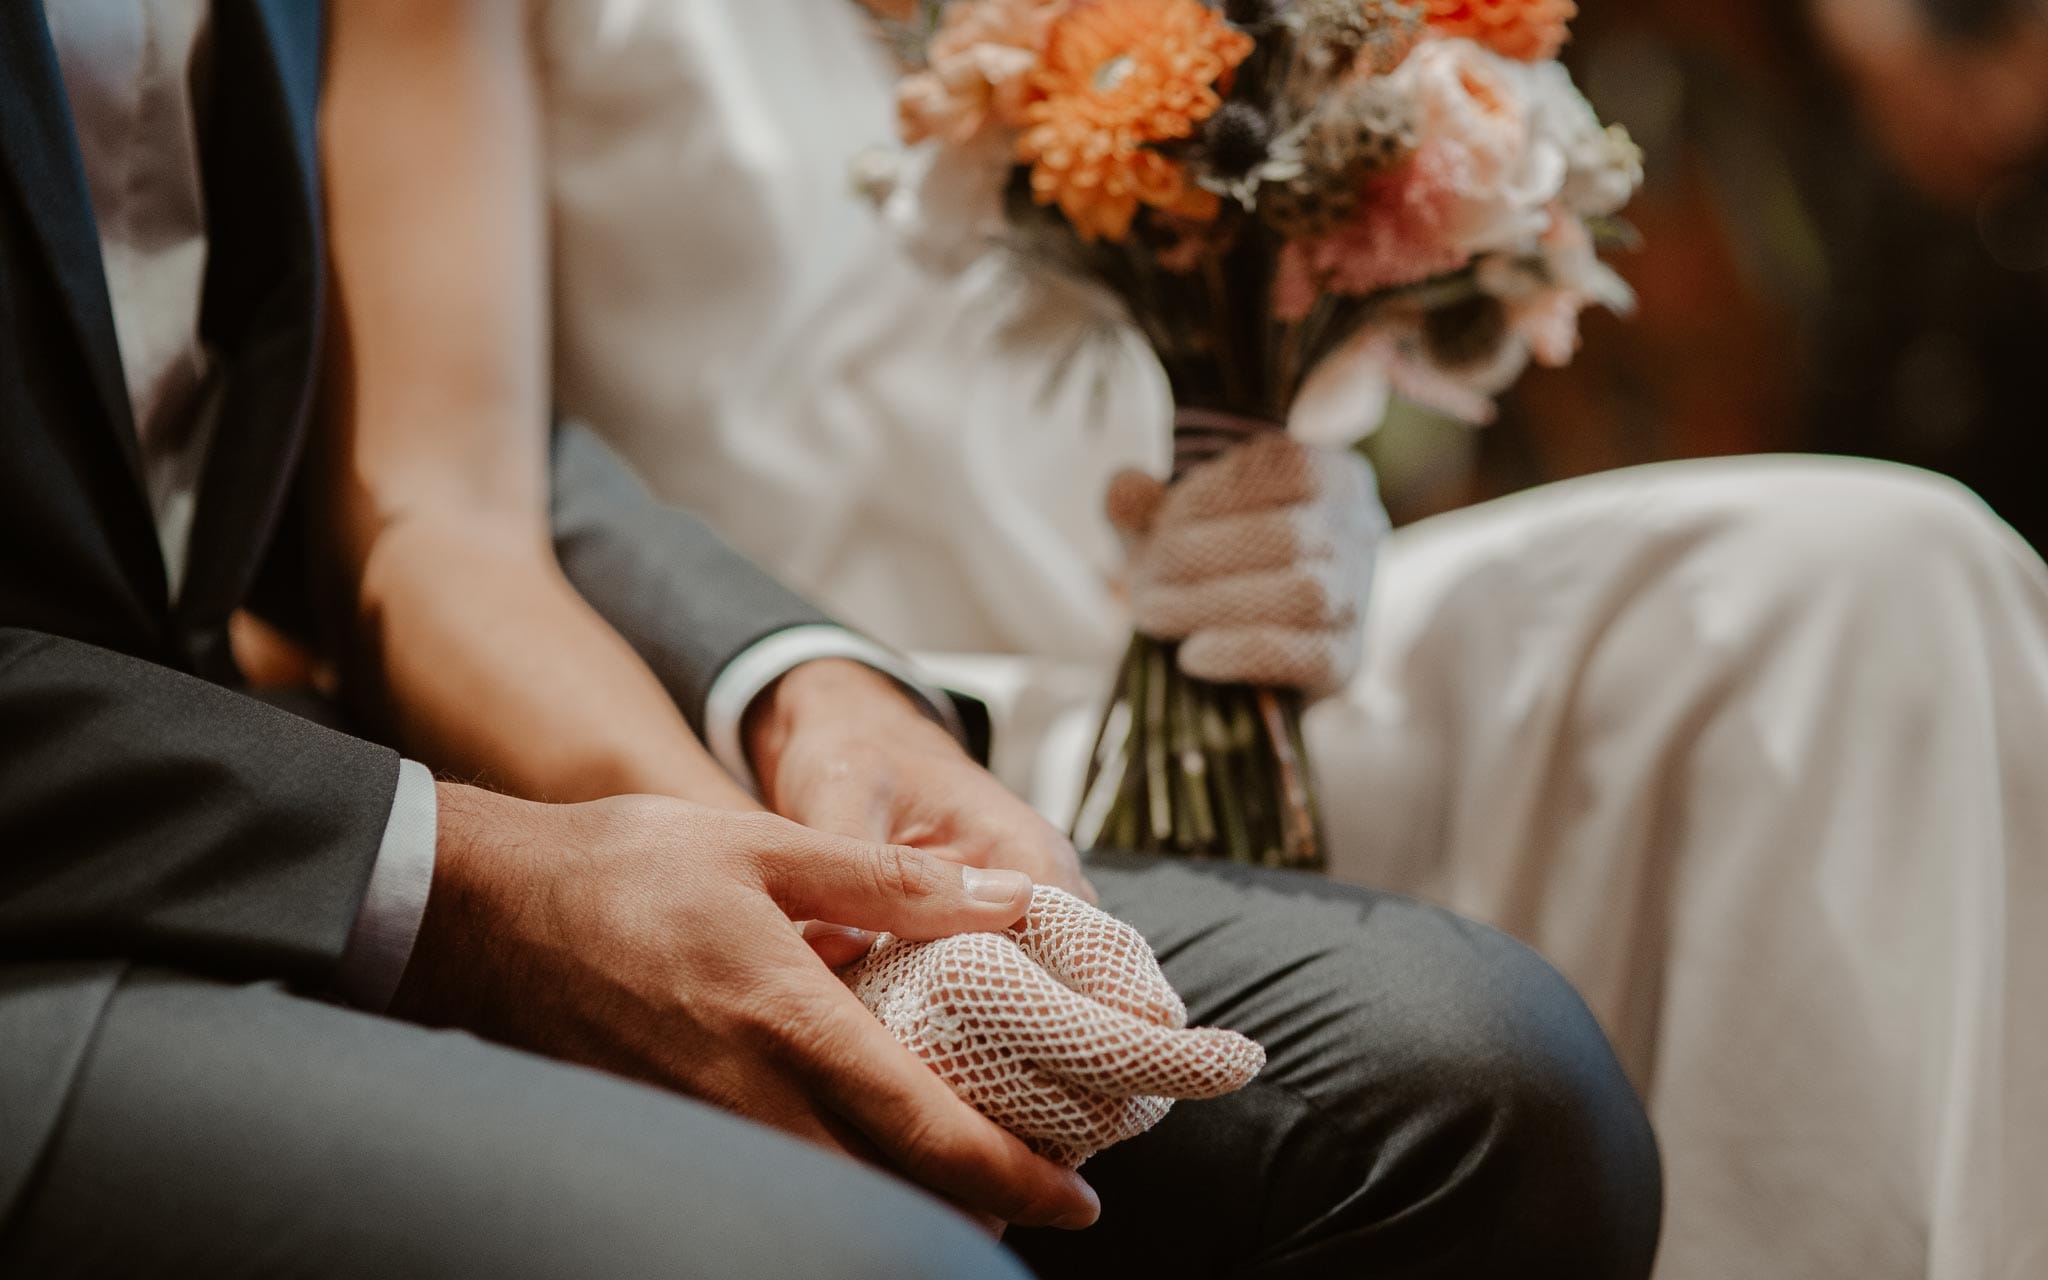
(732, 315)
(1753, 750)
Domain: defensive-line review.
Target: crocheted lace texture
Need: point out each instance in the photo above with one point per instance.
(1061, 1029)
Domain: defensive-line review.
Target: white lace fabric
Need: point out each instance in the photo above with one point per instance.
(1259, 561)
(1061, 1029)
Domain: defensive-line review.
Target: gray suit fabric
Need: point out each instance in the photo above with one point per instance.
(689, 602)
(1438, 1104)
(228, 1131)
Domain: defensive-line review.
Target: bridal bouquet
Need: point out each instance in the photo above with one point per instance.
(1307, 206)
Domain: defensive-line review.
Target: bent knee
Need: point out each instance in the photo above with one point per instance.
(1807, 523)
(1525, 1118)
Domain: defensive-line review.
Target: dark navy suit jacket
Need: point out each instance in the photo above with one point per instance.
(150, 812)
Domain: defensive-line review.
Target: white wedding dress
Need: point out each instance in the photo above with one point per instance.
(1756, 751)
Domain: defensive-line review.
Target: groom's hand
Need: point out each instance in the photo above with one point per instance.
(655, 939)
(839, 747)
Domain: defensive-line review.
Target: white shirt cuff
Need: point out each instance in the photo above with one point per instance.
(772, 657)
(380, 944)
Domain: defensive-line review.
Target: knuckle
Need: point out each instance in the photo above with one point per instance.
(753, 833)
(753, 841)
(905, 872)
(768, 831)
(925, 1142)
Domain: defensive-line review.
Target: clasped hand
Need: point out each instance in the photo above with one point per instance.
(1062, 1028)
(655, 939)
(659, 939)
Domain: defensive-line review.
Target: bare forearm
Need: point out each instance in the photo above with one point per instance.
(488, 664)
(463, 630)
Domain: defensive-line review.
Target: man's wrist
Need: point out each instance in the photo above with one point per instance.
(448, 953)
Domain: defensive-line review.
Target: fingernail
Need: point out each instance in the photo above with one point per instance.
(985, 885)
(1080, 1218)
(817, 929)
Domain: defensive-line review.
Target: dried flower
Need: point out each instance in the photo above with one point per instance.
(1240, 153)
(1305, 207)
(978, 68)
(1371, 123)
(1365, 37)
(1528, 30)
(1119, 77)
(1236, 139)
(1394, 28)
(1364, 128)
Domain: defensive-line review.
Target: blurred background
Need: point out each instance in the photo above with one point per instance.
(1844, 249)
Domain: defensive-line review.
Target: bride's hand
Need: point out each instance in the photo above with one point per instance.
(839, 747)
(1259, 562)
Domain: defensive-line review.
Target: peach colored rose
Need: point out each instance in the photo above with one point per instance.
(1474, 106)
(978, 69)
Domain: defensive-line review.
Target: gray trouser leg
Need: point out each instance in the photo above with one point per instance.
(1438, 1103)
(241, 1131)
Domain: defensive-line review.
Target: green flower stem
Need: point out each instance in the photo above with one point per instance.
(1237, 840)
(1187, 741)
(1318, 858)
(1096, 755)
(1254, 769)
(1200, 770)
(1297, 827)
(1159, 796)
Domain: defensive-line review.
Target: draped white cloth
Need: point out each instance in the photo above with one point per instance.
(1753, 750)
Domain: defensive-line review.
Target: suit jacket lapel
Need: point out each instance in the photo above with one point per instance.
(264, 291)
(39, 149)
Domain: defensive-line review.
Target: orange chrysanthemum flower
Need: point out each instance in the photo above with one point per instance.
(1531, 30)
(1117, 77)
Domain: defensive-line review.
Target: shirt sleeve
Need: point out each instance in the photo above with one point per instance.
(380, 944)
(772, 657)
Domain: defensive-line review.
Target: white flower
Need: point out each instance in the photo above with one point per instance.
(1346, 395)
(1603, 164)
(1474, 104)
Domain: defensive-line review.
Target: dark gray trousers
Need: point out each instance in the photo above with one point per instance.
(1438, 1103)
